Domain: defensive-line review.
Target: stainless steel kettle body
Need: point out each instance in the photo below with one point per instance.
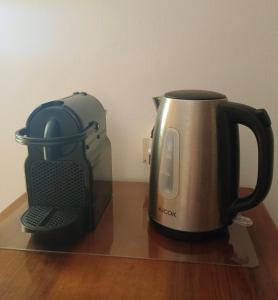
(194, 177)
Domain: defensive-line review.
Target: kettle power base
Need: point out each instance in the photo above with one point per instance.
(190, 236)
(125, 231)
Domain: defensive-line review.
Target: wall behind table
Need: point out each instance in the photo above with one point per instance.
(124, 52)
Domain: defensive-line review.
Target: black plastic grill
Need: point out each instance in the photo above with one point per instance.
(57, 184)
(36, 215)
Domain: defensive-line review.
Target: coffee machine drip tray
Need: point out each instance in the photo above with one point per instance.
(51, 221)
(123, 231)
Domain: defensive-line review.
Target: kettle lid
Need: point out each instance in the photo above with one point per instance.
(194, 95)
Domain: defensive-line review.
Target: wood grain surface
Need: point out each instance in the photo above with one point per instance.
(29, 275)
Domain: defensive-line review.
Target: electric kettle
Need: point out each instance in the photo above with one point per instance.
(194, 175)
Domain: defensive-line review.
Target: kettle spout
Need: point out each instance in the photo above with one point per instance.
(157, 101)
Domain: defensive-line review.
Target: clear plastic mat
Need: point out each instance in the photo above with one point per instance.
(125, 231)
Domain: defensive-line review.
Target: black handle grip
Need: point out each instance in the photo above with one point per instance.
(230, 115)
(22, 138)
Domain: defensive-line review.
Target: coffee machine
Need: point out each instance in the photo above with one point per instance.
(68, 169)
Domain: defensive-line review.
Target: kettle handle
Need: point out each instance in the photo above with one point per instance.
(229, 115)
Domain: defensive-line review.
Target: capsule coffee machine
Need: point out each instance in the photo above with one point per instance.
(68, 168)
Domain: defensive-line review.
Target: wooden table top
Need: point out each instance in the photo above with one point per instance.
(30, 275)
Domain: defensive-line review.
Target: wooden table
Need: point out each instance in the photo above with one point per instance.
(30, 275)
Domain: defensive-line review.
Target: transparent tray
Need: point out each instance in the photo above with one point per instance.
(125, 231)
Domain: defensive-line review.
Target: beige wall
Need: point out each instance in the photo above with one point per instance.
(124, 52)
